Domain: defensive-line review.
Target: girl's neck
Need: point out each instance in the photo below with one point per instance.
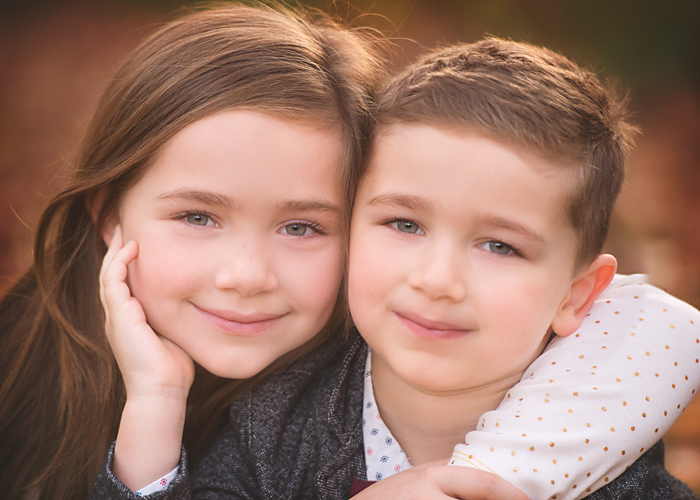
(429, 424)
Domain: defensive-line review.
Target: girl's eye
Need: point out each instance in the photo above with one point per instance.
(300, 229)
(407, 226)
(198, 219)
(498, 247)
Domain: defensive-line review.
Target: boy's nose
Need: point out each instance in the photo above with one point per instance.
(440, 272)
(246, 269)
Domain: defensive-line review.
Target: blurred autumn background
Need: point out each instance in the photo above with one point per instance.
(56, 57)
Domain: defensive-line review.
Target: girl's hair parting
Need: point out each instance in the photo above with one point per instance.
(61, 392)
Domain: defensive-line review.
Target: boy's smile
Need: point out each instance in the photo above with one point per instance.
(460, 258)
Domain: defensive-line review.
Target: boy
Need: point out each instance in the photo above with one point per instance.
(476, 233)
(480, 220)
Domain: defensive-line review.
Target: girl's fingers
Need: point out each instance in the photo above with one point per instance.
(472, 484)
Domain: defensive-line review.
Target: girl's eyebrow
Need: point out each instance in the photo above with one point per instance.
(401, 200)
(307, 206)
(206, 197)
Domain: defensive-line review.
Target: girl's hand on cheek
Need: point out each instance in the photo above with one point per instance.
(151, 365)
(436, 481)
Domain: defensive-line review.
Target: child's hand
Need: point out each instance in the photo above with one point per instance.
(157, 374)
(150, 364)
(436, 481)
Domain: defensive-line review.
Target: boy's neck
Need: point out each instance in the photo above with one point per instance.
(428, 425)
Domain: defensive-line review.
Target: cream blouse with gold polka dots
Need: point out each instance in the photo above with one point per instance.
(594, 401)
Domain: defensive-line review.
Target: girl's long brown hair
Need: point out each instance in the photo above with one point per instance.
(61, 393)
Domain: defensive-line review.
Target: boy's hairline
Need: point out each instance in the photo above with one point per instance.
(567, 167)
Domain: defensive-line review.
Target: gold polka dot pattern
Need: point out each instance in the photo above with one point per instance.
(610, 394)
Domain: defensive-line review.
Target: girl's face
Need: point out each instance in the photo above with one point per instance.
(239, 233)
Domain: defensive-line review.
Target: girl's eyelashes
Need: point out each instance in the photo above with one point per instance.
(499, 248)
(302, 228)
(196, 218)
(406, 226)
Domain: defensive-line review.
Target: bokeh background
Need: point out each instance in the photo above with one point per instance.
(56, 57)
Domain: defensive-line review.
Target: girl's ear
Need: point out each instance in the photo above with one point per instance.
(94, 205)
(584, 290)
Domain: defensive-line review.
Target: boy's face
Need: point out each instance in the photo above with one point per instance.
(460, 256)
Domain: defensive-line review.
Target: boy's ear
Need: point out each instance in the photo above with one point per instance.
(584, 290)
(94, 206)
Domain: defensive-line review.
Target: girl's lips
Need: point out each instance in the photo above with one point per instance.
(431, 329)
(235, 323)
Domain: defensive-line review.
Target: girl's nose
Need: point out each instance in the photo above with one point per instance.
(440, 272)
(246, 269)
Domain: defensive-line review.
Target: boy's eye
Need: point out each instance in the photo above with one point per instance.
(497, 247)
(407, 226)
(198, 219)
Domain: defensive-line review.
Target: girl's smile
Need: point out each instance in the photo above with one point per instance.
(239, 233)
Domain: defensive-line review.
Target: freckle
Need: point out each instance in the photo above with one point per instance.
(612, 429)
(647, 398)
(623, 452)
(617, 312)
(587, 441)
(532, 448)
(580, 459)
(629, 357)
(666, 347)
(641, 319)
(644, 415)
(588, 474)
(636, 296)
(641, 450)
(647, 353)
(664, 310)
(534, 470)
(491, 449)
(656, 374)
(678, 407)
(686, 377)
(588, 424)
(515, 470)
(605, 449)
(603, 347)
(672, 327)
(675, 363)
(552, 481)
(632, 334)
(632, 428)
(576, 335)
(603, 408)
(597, 321)
(575, 393)
(673, 385)
(656, 430)
(551, 445)
(546, 400)
(566, 474)
(551, 381)
(617, 379)
(564, 429)
(624, 403)
(523, 434)
(605, 333)
(691, 322)
(573, 487)
(606, 479)
(580, 356)
(554, 362)
(512, 453)
(539, 418)
(554, 461)
(570, 410)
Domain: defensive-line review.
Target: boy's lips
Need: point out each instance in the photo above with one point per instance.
(429, 328)
(238, 323)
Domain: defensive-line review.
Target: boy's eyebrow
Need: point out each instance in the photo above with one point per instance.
(307, 206)
(501, 223)
(401, 200)
(206, 197)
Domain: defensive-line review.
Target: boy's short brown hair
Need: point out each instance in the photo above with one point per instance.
(531, 97)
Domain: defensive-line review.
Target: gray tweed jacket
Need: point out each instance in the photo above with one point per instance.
(298, 435)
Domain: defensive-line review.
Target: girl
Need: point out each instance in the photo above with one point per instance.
(217, 99)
